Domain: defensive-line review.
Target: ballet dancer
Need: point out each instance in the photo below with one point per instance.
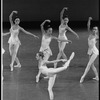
(51, 72)
(92, 51)
(3, 51)
(14, 41)
(63, 28)
(46, 40)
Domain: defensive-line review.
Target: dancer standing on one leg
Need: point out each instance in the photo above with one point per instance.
(62, 35)
(51, 72)
(14, 41)
(92, 51)
(46, 40)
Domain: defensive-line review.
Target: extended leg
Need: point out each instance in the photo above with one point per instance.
(52, 71)
(92, 59)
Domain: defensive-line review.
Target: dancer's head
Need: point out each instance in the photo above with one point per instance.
(49, 31)
(40, 55)
(95, 30)
(65, 20)
(48, 28)
(17, 21)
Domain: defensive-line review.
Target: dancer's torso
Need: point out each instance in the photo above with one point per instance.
(14, 36)
(62, 32)
(92, 45)
(45, 45)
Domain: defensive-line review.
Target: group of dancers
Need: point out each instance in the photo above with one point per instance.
(45, 51)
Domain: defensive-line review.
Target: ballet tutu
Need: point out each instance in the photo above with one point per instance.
(63, 38)
(46, 51)
(14, 41)
(93, 50)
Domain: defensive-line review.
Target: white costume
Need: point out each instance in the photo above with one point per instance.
(45, 47)
(92, 46)
(14, 36)
(62, 35)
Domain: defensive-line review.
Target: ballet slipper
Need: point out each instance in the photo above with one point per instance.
(96, 78)
(72, 56)
(68, 62)
(37, 79)
(18, 65)
(11, 66)
(82, 79)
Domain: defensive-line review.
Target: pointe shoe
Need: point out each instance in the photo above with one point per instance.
(72, 56)
(37, 79)
(11, 67)
(68, 61)
(81, 80)
(18, 65)
(96, 78)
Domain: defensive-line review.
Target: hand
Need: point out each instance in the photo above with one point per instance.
(15, 12)
(65, 8)
(77, 37)
(48, 20)
(70, 41)
(36, 36)
(63, 60)
(90, 18)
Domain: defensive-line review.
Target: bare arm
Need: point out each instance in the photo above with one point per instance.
(72, 31)
(89, 23)
(62, 12)
(26, 32)
(55, 61)
(5, 34)
(10, 17)
(42, 29)
(61, 39)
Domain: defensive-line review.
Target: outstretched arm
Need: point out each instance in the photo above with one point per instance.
(5, 34)
(89, 23)
(72, 31)
(62, 12)
(61, 39)
(42, 28)
(26, 32)
(55, 61)
(10, 17)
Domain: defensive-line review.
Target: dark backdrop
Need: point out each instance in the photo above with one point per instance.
(39, 10)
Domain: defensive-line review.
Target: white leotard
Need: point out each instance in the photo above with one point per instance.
(92, 46)
(45, 45)
(62, 33)
(14, 36)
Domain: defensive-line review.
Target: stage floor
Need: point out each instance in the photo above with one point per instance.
(20, 84)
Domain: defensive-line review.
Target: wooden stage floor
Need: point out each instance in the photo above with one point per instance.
(20, 84)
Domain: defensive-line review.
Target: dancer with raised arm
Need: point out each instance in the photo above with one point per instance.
(45, 43)
(51, 72)
(14, 41)
(92, 51)
(63, 28)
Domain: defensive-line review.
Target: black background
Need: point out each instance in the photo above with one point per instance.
(39, 10)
